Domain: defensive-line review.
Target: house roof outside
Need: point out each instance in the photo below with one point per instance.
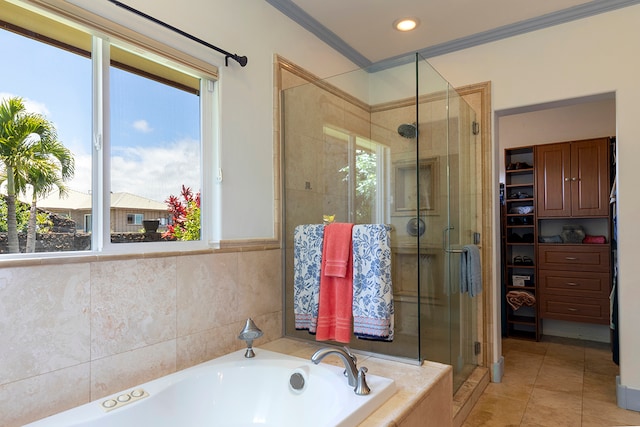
(131, 201)
(76, 200)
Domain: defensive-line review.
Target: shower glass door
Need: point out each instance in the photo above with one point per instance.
(448, 318)
(345, 158)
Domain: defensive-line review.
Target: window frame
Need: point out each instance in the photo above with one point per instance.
(100, 167)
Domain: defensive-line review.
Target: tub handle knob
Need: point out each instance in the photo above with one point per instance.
(362, 389)
(249, 333)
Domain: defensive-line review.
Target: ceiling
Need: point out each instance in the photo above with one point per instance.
(362, 30)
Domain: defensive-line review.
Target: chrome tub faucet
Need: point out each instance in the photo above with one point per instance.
(355, 377)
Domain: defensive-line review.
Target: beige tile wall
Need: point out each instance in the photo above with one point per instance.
(76, 332)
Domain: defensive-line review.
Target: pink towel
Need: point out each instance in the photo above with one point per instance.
(337, 241)
(336, 288)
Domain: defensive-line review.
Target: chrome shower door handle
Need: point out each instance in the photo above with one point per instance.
(445, 241)
(445, 236)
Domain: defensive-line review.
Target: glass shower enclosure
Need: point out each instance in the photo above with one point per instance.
(393, 146)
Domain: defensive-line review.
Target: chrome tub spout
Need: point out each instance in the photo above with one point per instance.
(347, 358)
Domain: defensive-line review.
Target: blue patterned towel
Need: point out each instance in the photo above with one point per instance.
(470, 270)
(372, 291)
(307, 259)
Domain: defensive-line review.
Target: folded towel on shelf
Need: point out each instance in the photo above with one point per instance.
(550, 239)
(336, 293)
(517, 299)
(521, 210)
(470, 270)
(594, 239)
(373, 313)
(307, 259)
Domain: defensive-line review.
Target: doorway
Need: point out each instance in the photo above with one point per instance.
(566, 120)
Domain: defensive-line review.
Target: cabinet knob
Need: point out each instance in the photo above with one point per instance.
(574, 179)
(572, 284)
(570, 258)
(567, 179)
(572, 309)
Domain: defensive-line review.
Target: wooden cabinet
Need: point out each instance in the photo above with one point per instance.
(572, 179)
(573, 184)
(574, 282)
(554, 195)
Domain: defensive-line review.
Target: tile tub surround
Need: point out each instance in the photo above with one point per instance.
(424, 393)
(85, 328)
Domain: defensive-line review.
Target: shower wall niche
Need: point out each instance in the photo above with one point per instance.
(349, 151)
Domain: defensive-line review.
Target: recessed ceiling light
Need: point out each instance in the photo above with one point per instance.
(406, 24)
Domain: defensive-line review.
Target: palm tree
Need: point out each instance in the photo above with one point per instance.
(45, 175)
(31, 154)
(12, 137)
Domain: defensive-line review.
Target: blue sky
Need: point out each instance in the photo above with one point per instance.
(155, 129)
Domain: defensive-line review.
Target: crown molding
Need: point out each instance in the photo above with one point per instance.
(592, 8)
(295, 13)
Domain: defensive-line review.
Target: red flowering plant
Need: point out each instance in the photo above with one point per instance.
(185, 216)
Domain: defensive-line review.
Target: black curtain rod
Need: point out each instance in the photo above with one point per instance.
(242, 60)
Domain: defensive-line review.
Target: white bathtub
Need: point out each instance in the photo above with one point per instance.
(235, 391)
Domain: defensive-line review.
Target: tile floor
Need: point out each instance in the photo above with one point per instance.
(555, 382)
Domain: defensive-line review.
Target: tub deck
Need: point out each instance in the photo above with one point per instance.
(424, 395)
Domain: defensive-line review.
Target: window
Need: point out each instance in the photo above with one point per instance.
(365, 174)
(155, 142)
(144, 149)
(87, 223)
(134, 219)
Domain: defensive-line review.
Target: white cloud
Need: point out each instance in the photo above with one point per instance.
(151, 172)
(29, 104)
(142, 126)
(156, 172)
(82, 177)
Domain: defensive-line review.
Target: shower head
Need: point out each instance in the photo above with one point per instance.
(408, 130)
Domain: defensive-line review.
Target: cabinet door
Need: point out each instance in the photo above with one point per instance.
(553, 186)
(590, 178)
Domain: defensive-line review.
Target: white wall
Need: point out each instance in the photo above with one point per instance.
(592, 56)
